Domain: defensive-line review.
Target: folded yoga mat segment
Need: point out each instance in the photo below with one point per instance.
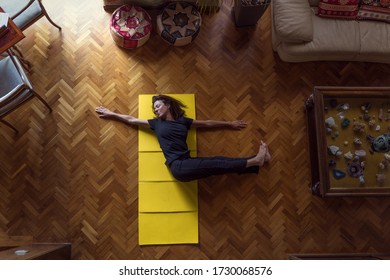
(167, 197)
(167, 209)
(168, 228)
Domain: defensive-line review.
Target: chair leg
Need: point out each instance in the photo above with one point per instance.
(25, 63)
(9, 125)
(47, 16)
(52, 22)
(18, 51)
(42, 100)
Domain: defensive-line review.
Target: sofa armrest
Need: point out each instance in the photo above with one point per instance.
(292, 20)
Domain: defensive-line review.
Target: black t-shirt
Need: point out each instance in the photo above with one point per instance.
(172, 136)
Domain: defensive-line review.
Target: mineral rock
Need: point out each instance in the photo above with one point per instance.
(348, 155)
(334, 150)
(383, 164)
(381, 143)
(338, 174)
(357, 141)
(380, 114)
(330, 122)
(358, 127)
(360, 153)
(366, 106)
(380, 178)
(354, 169)
(345, 122)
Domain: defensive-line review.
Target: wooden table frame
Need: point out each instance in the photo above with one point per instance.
(318, 146)
(8, 41)
(13, 36)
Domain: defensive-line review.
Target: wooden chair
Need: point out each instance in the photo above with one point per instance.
(25, 12)
(15, 87)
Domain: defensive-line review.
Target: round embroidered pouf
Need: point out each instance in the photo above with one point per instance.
(179, 23)
(130, 26)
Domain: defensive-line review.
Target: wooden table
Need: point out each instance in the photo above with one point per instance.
(367, 108)
(13, 36)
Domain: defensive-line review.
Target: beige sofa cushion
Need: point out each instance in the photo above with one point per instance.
(332, 40)
(292, 20)
(377, 42)
(338, 35)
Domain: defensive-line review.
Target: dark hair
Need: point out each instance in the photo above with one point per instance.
(175, 106)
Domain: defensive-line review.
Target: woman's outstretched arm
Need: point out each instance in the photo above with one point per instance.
(108, 114)
(237, 124)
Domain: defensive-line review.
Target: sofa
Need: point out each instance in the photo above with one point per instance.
(300, 35)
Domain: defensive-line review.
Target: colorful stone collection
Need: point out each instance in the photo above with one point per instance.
(367, 143)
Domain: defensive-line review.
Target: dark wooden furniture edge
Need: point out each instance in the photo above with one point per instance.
(39, 251)
(13, 36)
(312, 138)
(339, 256)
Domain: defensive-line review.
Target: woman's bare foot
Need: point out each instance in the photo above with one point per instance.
(267, 156)
(259, 159)
(262, 154)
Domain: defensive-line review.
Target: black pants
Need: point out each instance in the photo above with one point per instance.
(190, 169)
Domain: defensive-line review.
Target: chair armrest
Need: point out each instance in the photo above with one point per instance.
(22, 10)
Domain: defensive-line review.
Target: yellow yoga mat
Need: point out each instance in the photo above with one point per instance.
(167, 197)
(168, 209)
(168, 228)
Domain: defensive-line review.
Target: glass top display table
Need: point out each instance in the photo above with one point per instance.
(349, 141)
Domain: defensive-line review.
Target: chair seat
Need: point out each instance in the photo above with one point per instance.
(12, 81)
(12, 7)
(10, 76)
(18, 100)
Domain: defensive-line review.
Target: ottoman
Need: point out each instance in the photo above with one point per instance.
(179, 23)
(130, 26)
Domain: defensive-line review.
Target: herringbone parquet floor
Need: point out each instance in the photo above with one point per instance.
(70, 176)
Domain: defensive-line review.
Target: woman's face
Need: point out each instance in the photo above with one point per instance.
(160, 109)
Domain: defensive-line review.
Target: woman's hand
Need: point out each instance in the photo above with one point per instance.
(238, 124)
(103, 112)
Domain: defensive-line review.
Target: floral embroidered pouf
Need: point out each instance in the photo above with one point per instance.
(179, 23)
(130, 26)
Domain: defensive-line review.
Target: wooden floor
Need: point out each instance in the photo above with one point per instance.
(72, 177)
